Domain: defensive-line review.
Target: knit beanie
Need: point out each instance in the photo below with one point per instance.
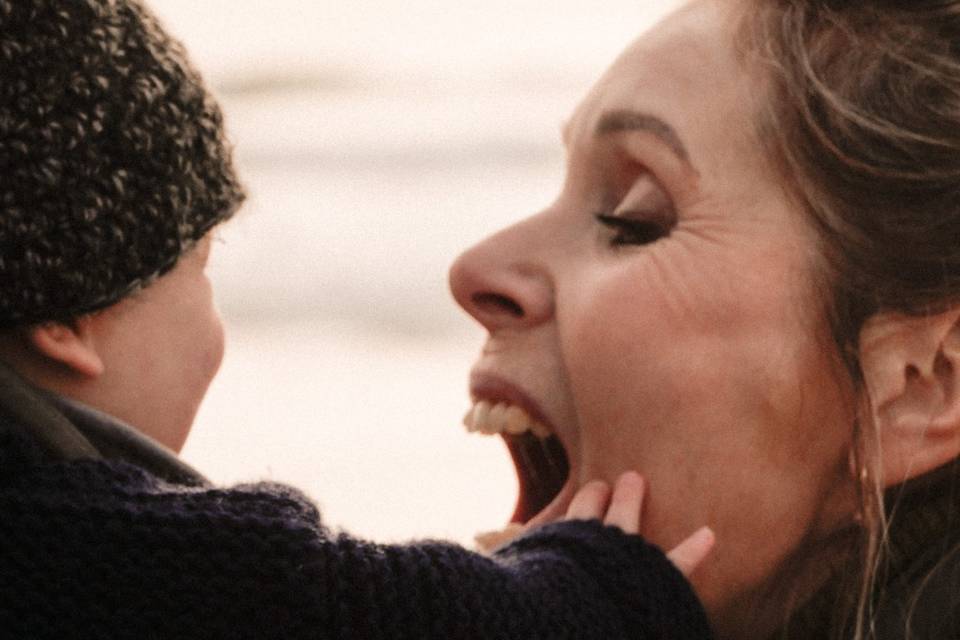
(113, 160)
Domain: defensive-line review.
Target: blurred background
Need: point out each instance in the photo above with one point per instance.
(378, 140)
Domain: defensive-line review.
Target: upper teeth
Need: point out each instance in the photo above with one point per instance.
(488, 418)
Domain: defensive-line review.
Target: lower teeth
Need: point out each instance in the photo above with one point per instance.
(488, 541)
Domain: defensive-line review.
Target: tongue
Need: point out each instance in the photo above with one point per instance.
(542, 469)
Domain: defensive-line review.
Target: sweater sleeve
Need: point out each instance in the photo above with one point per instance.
(103, 549)
(650, 597)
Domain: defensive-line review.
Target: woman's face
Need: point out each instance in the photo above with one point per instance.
(679, 334)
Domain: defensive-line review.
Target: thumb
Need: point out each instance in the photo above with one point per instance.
(688, 555)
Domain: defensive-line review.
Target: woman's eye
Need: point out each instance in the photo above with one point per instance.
(628, 231)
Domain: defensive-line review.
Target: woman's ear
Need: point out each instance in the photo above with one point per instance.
(911, 367)
(71, 345)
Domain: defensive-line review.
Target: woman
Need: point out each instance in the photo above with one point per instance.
(114, 171)
(748, 288)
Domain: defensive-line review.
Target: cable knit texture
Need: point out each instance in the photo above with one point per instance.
(104, 549)
(113, 160)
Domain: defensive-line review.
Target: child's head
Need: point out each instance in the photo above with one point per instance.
(113, 170)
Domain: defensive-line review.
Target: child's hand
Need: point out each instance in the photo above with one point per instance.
(622, 509)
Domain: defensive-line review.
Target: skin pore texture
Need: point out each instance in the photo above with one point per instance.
(146, 360)
(692, 349)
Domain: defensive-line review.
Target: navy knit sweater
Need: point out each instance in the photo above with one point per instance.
(104, 548)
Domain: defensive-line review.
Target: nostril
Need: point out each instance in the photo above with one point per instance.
(495, 304)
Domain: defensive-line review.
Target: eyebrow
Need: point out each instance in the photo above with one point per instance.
(624, 120)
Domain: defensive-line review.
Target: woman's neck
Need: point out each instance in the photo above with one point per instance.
(762, 611)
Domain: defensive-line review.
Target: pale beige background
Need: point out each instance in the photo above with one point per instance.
(378, 140)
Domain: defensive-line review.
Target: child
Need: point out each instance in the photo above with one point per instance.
(114, 171)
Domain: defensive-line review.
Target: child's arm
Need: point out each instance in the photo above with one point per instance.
(652, 596)
(577, 578)
(106, 550)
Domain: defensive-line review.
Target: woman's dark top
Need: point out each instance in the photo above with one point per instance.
(917, 595)
(104, 534)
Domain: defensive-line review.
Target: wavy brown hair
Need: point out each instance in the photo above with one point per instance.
(861, 117)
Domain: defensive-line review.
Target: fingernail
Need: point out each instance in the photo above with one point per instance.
(632, 476)
(705, 535)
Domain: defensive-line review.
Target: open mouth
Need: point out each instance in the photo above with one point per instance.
(538, 454)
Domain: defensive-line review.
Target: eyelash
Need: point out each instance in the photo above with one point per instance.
(632, 231)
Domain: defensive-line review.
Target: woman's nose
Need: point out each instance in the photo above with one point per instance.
(501, 286)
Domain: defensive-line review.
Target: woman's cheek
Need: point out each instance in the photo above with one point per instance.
(619, 354)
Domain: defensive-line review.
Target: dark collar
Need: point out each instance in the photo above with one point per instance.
(68, 430)
(918, 583)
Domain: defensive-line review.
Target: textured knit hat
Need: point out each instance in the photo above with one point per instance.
(113, 160)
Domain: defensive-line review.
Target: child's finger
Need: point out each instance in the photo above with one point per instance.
(590, 502)
(626, 503)
(688, 555)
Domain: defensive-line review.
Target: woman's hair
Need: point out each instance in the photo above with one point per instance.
(861, 117)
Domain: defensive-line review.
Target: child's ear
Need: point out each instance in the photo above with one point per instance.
(911, 367)
(71, 345)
